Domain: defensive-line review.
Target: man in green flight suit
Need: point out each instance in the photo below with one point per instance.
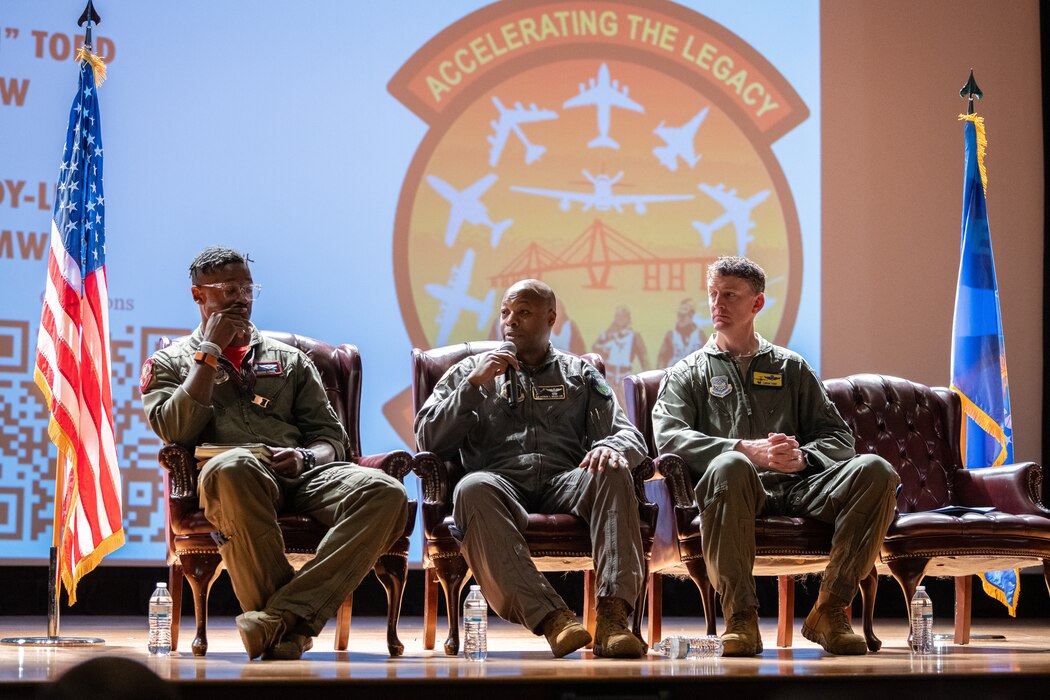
(761, 436)
(228, 384)
(563, 446)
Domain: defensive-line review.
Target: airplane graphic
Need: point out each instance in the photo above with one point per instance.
(467, 206)
(737, 212)
(603, 94)
(455, 299)
(678, 142)
(510, 120)
(602, 199)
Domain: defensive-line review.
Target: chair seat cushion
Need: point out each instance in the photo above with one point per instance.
(997, 537)
(968, 525)
(780, 532)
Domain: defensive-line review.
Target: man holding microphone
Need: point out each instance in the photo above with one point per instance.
(539, 430)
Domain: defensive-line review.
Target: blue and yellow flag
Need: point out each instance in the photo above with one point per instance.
(978, 350)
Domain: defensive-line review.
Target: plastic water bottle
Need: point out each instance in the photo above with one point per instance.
(921, 638)
(675, 647)
(475, 625)
(160, 610)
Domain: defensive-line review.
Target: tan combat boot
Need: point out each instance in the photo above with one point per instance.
(612, 638)
(259, 631)
(564, 632)
(828, 625)
(742, 637)
(291, 647)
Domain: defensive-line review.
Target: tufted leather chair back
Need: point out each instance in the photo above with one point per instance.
(640, 393)
(912, 426)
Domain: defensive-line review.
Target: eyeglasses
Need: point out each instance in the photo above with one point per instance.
(232, 290)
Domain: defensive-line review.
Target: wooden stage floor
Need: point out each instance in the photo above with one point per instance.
(520, 665)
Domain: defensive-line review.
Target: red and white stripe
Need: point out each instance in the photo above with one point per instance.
(73, 372)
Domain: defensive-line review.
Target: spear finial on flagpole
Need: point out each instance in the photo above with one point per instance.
(91, 19)
(969, 91)
(88, 20)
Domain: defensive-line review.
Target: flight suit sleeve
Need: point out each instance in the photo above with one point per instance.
(450, 413)
(174, 415)
(607, 424)
(824, 437)
(677, 423)
(314, 415)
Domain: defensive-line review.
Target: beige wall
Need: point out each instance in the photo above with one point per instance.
(892, 186)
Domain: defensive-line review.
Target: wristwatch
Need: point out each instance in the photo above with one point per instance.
(309, 458)
(204, 358)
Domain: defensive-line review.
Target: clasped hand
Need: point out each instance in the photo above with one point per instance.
(778, 452)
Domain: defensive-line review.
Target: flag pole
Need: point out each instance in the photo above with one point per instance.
(54, 575)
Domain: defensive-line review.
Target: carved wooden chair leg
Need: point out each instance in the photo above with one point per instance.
(656, 604)
(869, 586)
(391, 570)
(786, 610)
(201, 570)
(342, 623)
(909, 573)
(963, 601)
(175, 577)
(698, 572)
(430, 607)
(590, 601)
(453, 574)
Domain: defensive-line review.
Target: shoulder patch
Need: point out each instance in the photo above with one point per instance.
(720, 386)
(598, 383)
(146, 376)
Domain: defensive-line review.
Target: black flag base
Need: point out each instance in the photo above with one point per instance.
(52, 639)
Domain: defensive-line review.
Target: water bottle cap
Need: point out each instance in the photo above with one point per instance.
(475, 588)
(161, 584)
(920, 588)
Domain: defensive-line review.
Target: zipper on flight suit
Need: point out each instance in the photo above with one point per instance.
(744, 394)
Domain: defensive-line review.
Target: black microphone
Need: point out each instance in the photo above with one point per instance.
(515, 391)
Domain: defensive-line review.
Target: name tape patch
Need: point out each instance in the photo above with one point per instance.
(268, 369)
(768, 379)
(548, 393)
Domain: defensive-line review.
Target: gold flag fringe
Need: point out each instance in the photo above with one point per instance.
(982, 145)
(99, 66)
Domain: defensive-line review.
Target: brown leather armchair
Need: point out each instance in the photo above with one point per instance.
(193, 553)
(784, 546)
(917, 429)
(560, 542)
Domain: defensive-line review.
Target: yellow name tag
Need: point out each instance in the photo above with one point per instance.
(768, 379)
(549, 393)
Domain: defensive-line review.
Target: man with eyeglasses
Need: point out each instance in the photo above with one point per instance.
(228, 384)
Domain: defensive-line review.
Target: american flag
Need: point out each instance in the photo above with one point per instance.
(72, 352)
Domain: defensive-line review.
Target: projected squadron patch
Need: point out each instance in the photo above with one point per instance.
(561, 136)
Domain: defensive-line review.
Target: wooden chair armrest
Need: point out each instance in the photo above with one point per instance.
(676, 472)
(397, 463)
(182, 471)
(433, 478)
(1011, 488)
